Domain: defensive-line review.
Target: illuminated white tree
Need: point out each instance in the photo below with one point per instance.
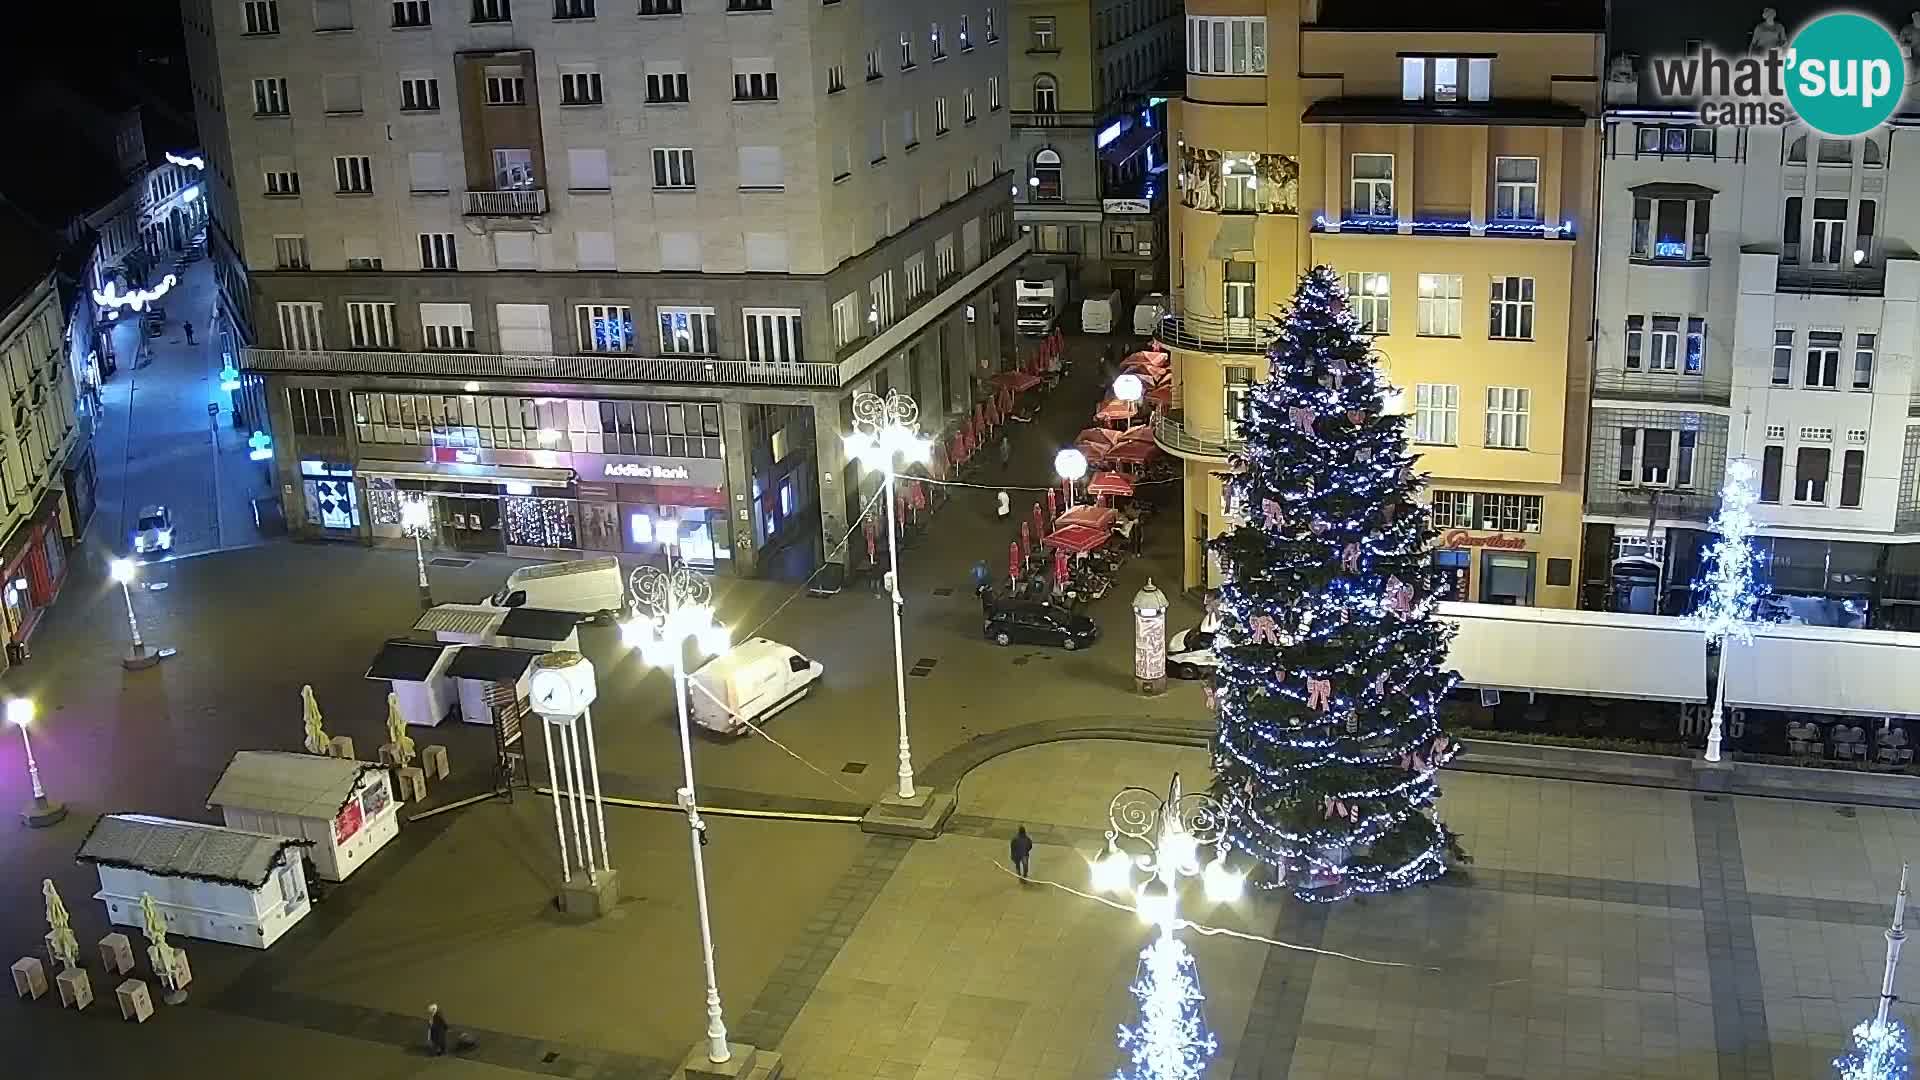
(1729, 590)
(1879, 1050)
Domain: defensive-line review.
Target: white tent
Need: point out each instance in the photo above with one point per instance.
(1825, 669)
(1584, 653)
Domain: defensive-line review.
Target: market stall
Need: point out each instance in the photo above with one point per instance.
(489, 678)
(538, 629)
(208, 881)
(460, 624)
(1110, 483)
(344, 808)
(417, 671)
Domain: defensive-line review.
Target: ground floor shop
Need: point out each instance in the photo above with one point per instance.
(33, 566)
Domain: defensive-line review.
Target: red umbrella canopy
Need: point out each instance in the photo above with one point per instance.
(1114, 409)
(1100, 435)
(1108, 483)
(1013, 560)
(1026, 537)
(1078, 539)
(1133, 453)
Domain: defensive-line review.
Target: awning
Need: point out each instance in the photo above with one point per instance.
(1093, 517)
(1585, 653)
(1017, 381)
(1133, 453)
(1114, 409)
(1824, 669)
(1103, 436)
(1078, 539)
(427, 470)
(491, 663)
(1107, 483)
(538, 624)
(400, 660)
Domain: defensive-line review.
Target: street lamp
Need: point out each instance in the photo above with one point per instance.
(416, 517)
(1071, 464)
(885, 428)
(1171, 1040)
(674, 607)
(41, 812)
(138, 655)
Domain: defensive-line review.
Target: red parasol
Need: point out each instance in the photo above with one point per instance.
(1078, 539)
(1060, 569)
(1099, 517)
(1013, 560)
(1015, 382)
(1026, 538)
(1099, 436)
(1114, 409)
(873, 541)
(1137, 433)
(1133, 453)
(1162, 395)
(1107, 483)
(1053, 504)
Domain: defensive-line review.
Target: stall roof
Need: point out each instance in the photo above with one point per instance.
(458, 619)
(405, 661)
(282, 782)
(1825, 669)
(184, 849)
(491, 663)
(1589, 653)
(538, 624)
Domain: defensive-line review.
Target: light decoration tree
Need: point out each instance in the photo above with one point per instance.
(1729, 590)
(1330, 680)
(1879, 1050)
(1171, 1041)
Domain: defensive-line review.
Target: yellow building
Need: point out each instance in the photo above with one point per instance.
(1449, 175)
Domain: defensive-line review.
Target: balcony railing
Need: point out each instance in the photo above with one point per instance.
(1866, 278)
(1211, 333)
(1661, 386)
(518, 202)
(1173, 435)
(465, 365)
(1635, 502)
(1029, 118)
(1913, 405)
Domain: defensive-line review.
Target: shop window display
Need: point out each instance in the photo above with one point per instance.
(599, 526)
(539, 523)
(331, 503)
(383, 502)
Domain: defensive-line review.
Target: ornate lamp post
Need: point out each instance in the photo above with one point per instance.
(41, 812)
(138, 655)
(885, 428)
(674, 607)
(416, 517)
(1071, 464)
(1171, 1041)
(1130, 389)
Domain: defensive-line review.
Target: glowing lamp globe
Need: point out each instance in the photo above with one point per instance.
(1223, 886)
(20, 711)
(1071, 464)
(1129, 388)
(122, 570)
(1112, 872)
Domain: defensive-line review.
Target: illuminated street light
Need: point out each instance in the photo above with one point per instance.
(41, 812)
(416, 518)
(1071, 464)
(138, 655)
(885, 428)
(673, 607)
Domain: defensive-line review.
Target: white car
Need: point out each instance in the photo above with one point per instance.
(1190, 653)
(154, 532)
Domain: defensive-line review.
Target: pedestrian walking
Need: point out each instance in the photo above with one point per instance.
(436, 1030)
(189, 328)
(982, 577)
(1006, 451)
(1022, 848)
(1006, 506)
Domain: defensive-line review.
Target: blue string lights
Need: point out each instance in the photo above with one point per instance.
(1330, 680)
(1548, 230)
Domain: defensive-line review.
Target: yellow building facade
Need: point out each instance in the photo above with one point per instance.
(1450, 178)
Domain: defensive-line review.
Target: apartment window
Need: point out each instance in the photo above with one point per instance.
(579, 86)
(1371, 297)
(1782, 357)
(1863, 231)
(1239, 292)
(506, 88)
(749, 5)
(438, 252)
(966, 36)
(836, 78)
(1120, 241)
(1040, 34)
(412, 13)
(1823, 360)
(1439, 305)
(1373, 185)
(370, 325)
(936, 46)
(773, 335)
(906, 50)
(492, 11)
(968, 114)
(1516, 189)
(941, 123)
(1237, 180)
(1656, 457)
(755, 80)
(1790, 231)
(1853, 466)
(263, 16)
(270, 97)
(587, 170)
(1696, 354)
(761, 168)
(1863, 345)
(363, 253)
(604, 328)
(1238, 386)
(992, 35)
(881, 290)
(873, 65)
(427, 172)
(1438, 78)
(315, 411)
(1810, 465)
(1046, 94)
(290, 253)
(915, 272)
(446, 327)
(842, 161)
(1673, 140)
(1436, 414)
(1508, 513)
(1771, 460)
(1686, 443)
(419, 93)
(300, 324)
(847, 324)
(672, 167)
(687, 330)
(1226, 45)
(877, 142)
(1047, 176)
(909, 129)
(666, 85)
(517, 251)
(994, 101)
(283, 182)
(1829, 232)
(1674, 229)
(1507, 417)
(1636, 342)
(1666, 344)
(353, 175)
(573, 9)
(1453, 509)
(944, 263)
(1512, 315)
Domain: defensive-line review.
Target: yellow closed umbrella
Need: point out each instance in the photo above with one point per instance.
(60, 941)
(397, 732)
(317, 741)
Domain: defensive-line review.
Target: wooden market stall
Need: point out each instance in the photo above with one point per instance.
(344, 808)
(208, 881)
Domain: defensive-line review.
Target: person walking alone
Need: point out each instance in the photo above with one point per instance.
(1022, 849)
(436, 1031)
(1006, 451)
(189, 328)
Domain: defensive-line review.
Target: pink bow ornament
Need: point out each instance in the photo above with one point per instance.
(1320, 528)
(1319, 694)
(1302, 418)
(1213, 702)
(1350, 558)
(1265, 630)
(1275, 516)
(1399, 597)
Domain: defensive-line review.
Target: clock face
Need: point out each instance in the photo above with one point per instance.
(562, 691)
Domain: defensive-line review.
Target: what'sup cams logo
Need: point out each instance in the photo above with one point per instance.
(1843, 74)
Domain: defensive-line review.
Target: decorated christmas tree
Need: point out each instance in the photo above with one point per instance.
(1330, 681)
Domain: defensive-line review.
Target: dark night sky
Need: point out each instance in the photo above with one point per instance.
(1654, 27)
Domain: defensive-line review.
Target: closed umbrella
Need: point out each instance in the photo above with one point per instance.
(1053, 504)
(1061, 572)
(1013, 561)
(1026, 538)
(60, 941)
(873, 541)
(310, 713)
(159, 953)
(397, 733)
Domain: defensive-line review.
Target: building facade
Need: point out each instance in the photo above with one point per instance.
(1449, 177)
(1089, 140)
(1758, 302)
(599, 280)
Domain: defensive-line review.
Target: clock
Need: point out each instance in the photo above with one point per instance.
(562, 685)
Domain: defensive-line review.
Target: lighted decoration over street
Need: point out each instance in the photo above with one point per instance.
(262, 446)
(195, 162)
(1330, 681)
(1879, 1050)
(1729, 591)
(113, 299)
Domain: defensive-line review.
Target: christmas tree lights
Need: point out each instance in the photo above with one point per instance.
(1729, 590)
(1171, 1041)
(1330, 681)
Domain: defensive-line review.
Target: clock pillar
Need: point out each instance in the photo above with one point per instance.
(562, 689)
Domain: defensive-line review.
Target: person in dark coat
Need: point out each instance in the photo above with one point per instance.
(1022, 848)
(1006, 451)
(436, 1030)
(982, 577)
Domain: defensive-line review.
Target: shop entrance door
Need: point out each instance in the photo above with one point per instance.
(471, 524)
(1506, 577)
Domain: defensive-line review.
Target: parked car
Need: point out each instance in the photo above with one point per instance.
(1190, 653)
(153, 534)
(1032, 623)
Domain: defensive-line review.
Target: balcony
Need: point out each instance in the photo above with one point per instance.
(608, 368)
(1029, 118)
(1637, 502)
(1858, 270)
(1171, 432)
(1660, 386)
(1211, 333)
(517, 202)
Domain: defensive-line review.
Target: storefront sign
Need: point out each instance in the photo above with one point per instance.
(694, 472)
(628, 470)
(1127, 206)
(1461, 538)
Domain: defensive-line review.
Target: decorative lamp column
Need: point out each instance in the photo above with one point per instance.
(1130, 389)
(562, 689)
(1150, 640)
(416, 518)
(1071, 464)
(138, 656)
(42, 811)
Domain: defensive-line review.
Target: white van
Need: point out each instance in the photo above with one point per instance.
(589, 588)
(749, 683)
(1100, 314)
(1148, 313)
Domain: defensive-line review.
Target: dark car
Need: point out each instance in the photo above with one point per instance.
(1039, 624)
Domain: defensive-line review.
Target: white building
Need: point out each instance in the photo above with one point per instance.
(1757, 300)
(209, 882)
(344, 808)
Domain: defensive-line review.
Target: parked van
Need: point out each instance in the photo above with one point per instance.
(749, 683)
(590, 588)
(1100, 314)
(1148, 313)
